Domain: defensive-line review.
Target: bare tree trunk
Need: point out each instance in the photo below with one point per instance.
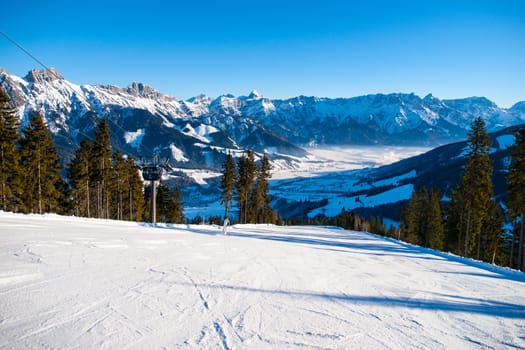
(130, 204)
(460, 230)
(99, 201)
(39, 190)
(4, 202)
(467, 234)
(87, 188)
(4, 180)
(479, 246)
(521, 246)
(87, 198)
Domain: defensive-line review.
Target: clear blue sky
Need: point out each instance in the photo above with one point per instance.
(450, 48)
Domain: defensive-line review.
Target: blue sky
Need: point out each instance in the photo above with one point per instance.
(452, 49)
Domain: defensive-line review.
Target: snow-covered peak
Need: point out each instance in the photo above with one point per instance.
(200, 99)
(226, 104)
(44, 75)
(255, 95)
(142, 90)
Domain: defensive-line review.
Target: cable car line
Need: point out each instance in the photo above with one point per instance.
(33, 57)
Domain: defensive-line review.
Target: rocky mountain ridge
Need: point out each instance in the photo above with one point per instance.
(199, 131)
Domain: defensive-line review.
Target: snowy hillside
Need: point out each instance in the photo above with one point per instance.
(374, 181)
(196, 133)
(81, 283)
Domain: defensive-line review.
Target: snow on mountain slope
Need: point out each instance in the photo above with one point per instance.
(393, 119)
(83, 283)
(163, 123)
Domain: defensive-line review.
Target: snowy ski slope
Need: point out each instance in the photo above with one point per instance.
(74, 283)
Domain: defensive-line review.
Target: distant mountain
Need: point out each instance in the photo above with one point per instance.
(142, 120)
(197, 133)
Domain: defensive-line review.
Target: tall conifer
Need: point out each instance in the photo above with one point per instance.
(119, 186)
(262, 197)
(228, 179)
(100, 169)
(469, 213)
(410, 218)
(516, 195)
(435, 231)
(10, 172)
(79, 179)
(246, 170)
(41, 165)
(136, 191)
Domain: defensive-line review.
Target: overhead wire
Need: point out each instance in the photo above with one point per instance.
(51, 71)
(23, 49)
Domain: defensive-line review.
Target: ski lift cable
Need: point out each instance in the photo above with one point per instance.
(24, 50)
(33, 57)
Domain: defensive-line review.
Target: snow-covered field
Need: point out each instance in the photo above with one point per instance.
(73, 283)
(327, 173)
(325, 160)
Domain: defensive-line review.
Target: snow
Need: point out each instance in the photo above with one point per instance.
(336, 203)
(178, 154)
(201, 177)
(134, 138)
(324, 160)
(391, 196)
(395, 180)
(84, 283)
(202, 132)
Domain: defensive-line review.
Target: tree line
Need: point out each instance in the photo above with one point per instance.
(247, 183)
(97, 183)
(471, 222)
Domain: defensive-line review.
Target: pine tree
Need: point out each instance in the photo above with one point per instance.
(491, 237)
(136, 192)
(41, 164)
(435, 231)
(455, 221)
(170, 208)
(100, 169)
(78, 173)
(410, 219)
(228, 180)
(263, 211)
(119, 185)
(10, 172)
(177, 207)
(146, 208)
(163, 203)
(516, 194)
(246, 171)
(422, 220)
(423, 230)
(477, 186)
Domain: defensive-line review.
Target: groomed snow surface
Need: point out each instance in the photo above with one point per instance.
(74, 283)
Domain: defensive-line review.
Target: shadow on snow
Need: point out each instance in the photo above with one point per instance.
(443, 302)
(361, 243)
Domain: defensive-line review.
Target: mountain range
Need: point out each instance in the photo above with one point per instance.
(197, 133)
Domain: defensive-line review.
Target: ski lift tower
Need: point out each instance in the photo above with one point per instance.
(152, 172)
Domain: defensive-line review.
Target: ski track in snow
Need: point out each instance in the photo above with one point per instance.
(84, 283)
